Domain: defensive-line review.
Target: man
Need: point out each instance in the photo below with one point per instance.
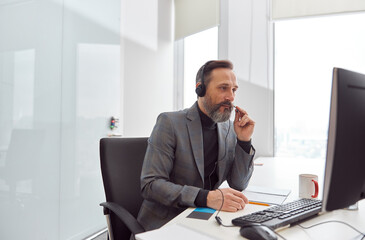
(191, 152)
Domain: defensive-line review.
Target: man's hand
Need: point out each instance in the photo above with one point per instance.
(243, 125)
(233, 200)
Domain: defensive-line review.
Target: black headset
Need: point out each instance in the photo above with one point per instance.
(201, 89)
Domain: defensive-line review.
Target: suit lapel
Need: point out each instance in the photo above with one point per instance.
(196, 138)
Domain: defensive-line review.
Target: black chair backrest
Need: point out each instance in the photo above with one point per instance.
(121, 162)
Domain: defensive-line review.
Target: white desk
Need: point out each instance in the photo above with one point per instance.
(283, 173)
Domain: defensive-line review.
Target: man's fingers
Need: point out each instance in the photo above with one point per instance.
(237, 116)
(233, 206)
(233, 200)
(241, 117)
(245, 199)
(237, 193)
(238, 197)
(244, 121)
(236, 205)
(241, 110)
(230, 209)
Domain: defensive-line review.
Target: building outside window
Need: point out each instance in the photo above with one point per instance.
(306, 50)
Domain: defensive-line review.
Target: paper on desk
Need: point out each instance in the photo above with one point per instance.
(175, 232)
(266, 195)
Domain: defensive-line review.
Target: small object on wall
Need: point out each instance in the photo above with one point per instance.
(113, 123)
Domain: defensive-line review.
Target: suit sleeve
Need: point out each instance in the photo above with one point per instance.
(156, 184)
(242, 168)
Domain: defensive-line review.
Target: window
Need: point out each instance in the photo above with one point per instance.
(306, 50)
(198, 49)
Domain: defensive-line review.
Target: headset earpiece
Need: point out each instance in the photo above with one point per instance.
(201, 89)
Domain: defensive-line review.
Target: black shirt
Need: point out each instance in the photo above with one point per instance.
(210, 145)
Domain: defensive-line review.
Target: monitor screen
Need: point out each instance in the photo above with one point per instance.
(344, 182)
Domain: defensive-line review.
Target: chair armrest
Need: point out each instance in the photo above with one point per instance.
(127, 218)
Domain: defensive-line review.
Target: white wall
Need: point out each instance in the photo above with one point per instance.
(147, 63)
(245, 39)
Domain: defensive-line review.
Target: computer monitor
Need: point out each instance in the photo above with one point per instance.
(344, 182)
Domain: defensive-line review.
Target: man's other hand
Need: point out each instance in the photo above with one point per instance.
(243, 125)
(233, 200)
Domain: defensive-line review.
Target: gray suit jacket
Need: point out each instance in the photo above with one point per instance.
(173, 168)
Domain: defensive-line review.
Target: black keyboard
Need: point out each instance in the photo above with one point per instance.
(282, 215)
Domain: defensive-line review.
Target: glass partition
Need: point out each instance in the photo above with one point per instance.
(59, 87)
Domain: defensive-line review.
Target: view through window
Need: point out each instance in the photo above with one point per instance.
(306, 50)
(198, 49)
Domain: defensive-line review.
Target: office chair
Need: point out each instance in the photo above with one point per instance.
(121, 162)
